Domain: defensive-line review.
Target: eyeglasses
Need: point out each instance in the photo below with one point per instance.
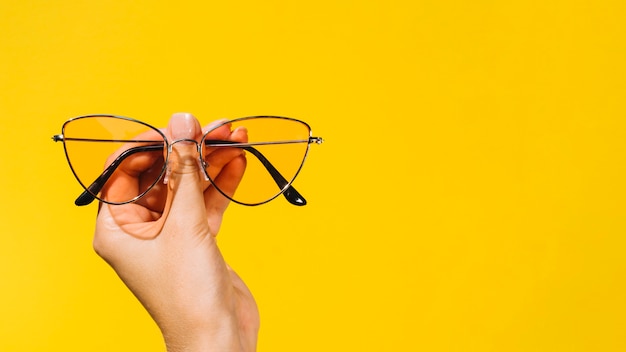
(264, 157)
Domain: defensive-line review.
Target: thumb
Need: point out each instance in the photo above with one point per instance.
(185, 180)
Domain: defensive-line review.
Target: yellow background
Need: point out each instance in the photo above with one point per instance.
(469, 196)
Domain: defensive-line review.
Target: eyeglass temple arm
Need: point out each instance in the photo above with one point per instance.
(87, 197)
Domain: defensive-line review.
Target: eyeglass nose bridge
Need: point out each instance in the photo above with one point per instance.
(202, 164)
(187, 140)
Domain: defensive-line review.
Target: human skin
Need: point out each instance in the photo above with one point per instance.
(164, 249)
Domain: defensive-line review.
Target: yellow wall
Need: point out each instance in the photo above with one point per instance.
(470, 195)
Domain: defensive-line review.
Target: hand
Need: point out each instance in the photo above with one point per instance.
(164, 248)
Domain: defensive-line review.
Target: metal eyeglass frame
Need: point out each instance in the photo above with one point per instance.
(284, 185)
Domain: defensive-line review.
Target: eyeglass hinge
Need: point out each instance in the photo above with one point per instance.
(57, 138)
(317, 140)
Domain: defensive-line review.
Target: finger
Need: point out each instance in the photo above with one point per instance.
(216, 129)
(227, 182)
(215, 157)
(226, 168)
(222, 154)
(234, 159)
(134, 171)
(187, 214)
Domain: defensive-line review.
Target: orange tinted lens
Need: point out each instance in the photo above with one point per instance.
(267, 159)
(115, 159)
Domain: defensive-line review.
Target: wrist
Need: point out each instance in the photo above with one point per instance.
(224, 337)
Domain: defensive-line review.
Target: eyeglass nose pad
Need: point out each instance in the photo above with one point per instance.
(203, 165)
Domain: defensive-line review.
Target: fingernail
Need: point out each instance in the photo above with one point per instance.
(213, 125)
(184, 126)
(240, 129)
